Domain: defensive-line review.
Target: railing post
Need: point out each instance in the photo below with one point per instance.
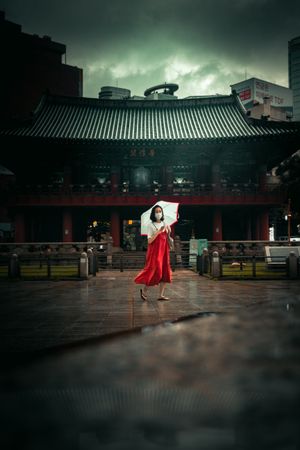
(48, 266)
(95, 263)
(202, 262)
(84, 266)
(173, 261)
(254, 266)
(215, 265)
(199, 265)
(14, 266)
(205, 257)
(90, 261)
(109, 251)
(177, 246)
(292, 266)
(121, 264)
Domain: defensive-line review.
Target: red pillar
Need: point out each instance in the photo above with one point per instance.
(19, 227)
(115, 227)
(67, 226)
(217, 225)
(264, 226)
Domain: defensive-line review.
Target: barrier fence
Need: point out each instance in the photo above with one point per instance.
(82, 264)
(40, 266)
(249, 267)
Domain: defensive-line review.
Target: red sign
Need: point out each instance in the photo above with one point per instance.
(245, 95)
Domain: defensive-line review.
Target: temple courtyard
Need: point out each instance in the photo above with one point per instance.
(89, 365)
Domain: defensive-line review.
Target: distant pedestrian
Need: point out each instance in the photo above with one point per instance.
(157, 269)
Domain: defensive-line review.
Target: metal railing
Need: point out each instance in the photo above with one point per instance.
(53, 260)
(49, 259)
(244, 247)
(255, 267)
(40, 266)
(52, 247)
(49, 266)
(123, 261)
(43, 266)
(251, 267)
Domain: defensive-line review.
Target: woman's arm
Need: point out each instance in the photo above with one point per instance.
(168, 229)
(154, 236)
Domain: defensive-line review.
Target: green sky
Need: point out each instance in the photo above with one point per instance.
(203, 45)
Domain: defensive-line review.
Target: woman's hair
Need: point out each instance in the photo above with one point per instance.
(152, 215)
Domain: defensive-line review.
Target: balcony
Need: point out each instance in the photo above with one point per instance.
(188, 188)
(187, 193)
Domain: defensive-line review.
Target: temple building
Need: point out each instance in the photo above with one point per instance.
(86, 167)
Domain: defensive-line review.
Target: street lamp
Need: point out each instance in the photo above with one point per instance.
(289, 215)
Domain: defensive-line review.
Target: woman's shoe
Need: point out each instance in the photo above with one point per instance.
(143, 296)
(163, 298)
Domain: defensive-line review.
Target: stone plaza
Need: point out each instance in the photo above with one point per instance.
(89, 365)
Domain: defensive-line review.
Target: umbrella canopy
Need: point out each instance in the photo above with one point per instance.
(170, 210)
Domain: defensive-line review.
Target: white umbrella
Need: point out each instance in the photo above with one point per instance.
(170, 210)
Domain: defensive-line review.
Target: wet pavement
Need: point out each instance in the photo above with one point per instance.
(226, 379)
(38, 315)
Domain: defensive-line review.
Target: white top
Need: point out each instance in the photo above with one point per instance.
(153, 227)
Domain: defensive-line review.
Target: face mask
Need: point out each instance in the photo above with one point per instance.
(158, 216)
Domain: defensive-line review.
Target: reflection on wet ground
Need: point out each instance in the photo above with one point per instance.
(227, 378)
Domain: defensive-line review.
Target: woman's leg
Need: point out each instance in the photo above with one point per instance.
(143, 292)
(162, 286)
(145, 288)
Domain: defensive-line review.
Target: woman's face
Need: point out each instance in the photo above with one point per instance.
(158, 213)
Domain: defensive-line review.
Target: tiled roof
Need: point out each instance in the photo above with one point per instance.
(205, 118)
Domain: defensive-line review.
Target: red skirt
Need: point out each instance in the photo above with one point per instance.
(157, 268)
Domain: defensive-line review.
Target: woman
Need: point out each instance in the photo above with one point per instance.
(157, 269)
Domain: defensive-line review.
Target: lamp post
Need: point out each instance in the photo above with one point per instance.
(289, 215)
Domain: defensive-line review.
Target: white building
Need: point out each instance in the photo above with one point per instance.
(264, 99)
(113, 93)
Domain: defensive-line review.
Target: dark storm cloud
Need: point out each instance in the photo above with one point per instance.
(203, 45)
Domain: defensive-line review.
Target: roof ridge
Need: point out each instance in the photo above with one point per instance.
(205, 119)
(93, 101)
